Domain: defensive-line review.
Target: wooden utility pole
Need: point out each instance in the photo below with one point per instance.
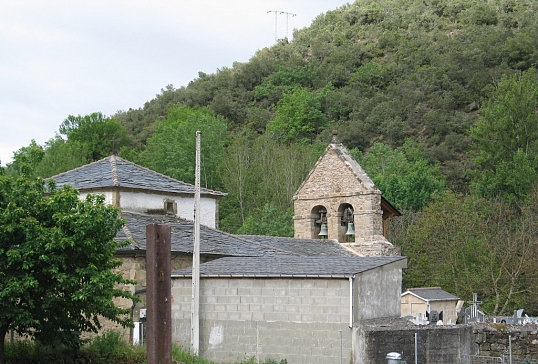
(158, 294)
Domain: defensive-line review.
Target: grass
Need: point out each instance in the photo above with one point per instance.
(110, 347)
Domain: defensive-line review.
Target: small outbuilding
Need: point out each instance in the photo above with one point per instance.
(425, 300)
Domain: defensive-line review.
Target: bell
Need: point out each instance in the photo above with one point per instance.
(323, 231)
(350, 229)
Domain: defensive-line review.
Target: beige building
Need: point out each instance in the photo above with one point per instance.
(425, 300)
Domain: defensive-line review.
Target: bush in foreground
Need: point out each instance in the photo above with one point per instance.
(110, 347)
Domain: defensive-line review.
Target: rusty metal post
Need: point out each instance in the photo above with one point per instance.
(158, 294)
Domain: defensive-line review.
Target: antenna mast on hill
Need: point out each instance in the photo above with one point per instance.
(278, 12)
(287, 14)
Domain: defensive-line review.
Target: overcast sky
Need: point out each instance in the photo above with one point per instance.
(60, 58)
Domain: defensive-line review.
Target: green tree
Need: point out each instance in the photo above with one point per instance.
(298, 116)
(403, 175)
(506, 138)
(101, 135)
(468, 244)
(269, 221)
(26, 159)
(261, 174)
(56, 262)
(62, 155)
(171, 150)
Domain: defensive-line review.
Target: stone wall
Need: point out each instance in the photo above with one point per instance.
(494, 340)
(443, 344)
(335, 183)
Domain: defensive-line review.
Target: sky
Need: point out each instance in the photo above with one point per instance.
(61, 58)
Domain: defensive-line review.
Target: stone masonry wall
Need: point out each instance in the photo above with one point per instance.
(444, 344)
(334, 184)
(301, 320)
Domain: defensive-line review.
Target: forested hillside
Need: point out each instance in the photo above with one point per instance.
(437, 99)
(376, 71)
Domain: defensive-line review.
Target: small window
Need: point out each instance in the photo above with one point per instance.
(170, 207)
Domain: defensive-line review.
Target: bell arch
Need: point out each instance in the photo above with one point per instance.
(346, 226)
(319, 222)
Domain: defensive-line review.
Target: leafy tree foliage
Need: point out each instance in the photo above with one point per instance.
(56, 262)
(403, 175)
(269, 221)
(468, 244)
(172, 149)
(25, 159)
(62, 155)
(506, 138)
(103, 136)
(298, 116)
(261, 175)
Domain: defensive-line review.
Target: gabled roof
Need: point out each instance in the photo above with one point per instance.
(305, 247)
(114, 171)
(431, 294)
(347, 159)
(212, 242)
(289, 266)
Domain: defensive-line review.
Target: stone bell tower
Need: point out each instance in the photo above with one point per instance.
(338, 201)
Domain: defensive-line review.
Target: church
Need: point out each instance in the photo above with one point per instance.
(301, 299)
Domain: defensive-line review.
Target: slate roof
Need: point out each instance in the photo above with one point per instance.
(212, 241)
(305, 247)
(431, 294)
(289, 266)
(114, 171)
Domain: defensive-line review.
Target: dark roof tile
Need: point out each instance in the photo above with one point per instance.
(289, 266)
(307, 247)
(212, 241)
(114, 171)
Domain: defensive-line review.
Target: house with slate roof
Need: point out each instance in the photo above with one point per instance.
(138, 189)
(427, 299)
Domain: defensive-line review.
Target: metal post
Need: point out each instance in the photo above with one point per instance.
(195, 313)
(276, 21)
(510, 346)
(158, 294)
(416, 347)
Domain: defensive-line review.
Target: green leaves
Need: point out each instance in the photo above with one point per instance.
(467, 244)
(298, 116)
(403, 175)
(506, 138)
(56, 261)
(171, 150)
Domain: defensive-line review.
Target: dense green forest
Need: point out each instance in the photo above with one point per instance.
(437, 100)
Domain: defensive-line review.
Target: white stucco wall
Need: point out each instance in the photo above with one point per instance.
(142, 201)
(108, 196)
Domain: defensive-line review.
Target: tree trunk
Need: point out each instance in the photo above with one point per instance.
(3, 332)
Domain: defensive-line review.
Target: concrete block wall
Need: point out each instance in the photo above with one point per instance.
(295, 319)
(377, 292)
